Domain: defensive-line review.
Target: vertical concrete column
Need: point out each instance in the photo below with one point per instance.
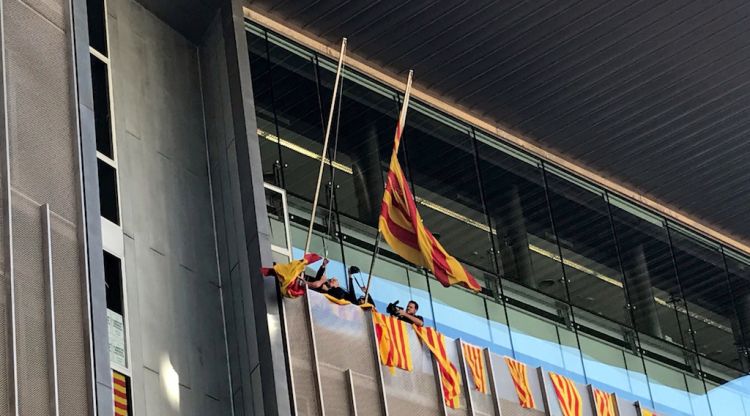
(514, 240)
(640, 292)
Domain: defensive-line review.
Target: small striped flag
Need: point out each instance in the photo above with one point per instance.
(393, 342)
(450, 379)
(475, 360)
(519, 374)
(568, 396)
(647, 412)
(120, 393)
(289, 275)
(605, 403)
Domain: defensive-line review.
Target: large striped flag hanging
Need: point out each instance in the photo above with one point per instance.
(519, 374)
(449, 376)
(289, 274)
(475, 360)
(605, 402)
(401, 224)
(120, 393)
(568, 396)
(393, 342)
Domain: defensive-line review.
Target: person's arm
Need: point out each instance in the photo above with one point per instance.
(318, 284)
(411, 318)
(321, 270)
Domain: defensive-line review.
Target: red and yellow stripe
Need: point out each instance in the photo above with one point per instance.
(475, 361)
(449, 376)
(568, 396)
(120, 393)
(289, 275)
(519, 374)
(402, 228)
(393, 342)
(605, 403)
(646, 412)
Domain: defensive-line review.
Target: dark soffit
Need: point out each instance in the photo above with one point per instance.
(655, 95)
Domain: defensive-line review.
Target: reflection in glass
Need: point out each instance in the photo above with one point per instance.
(700, 267)
(588, 247)
(516, 201)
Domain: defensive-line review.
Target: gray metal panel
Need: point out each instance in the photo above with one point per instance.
(654, 94)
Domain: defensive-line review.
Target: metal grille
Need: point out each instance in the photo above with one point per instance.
(70, 331)
(42, 140)
(31, 324)
(343, 340)
(44, 169)
(413, 393)
(367, 392)
(303, 378)
(513, 409)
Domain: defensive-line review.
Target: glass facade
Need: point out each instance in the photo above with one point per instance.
(574, 278)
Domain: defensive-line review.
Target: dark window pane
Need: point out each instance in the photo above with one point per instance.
(368, 122)
(440, 158)
(113, 279)
(102, 116)
(738, 268)
(108, 192)
(517, 205)
(264, 110)
(653, 291)
(700, 267)
(97, 25)
(588, 247)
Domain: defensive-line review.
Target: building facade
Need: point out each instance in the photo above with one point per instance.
(156, 156)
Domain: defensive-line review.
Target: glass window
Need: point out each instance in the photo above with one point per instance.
(97, 25)
(460, 314)
(365, 140)
(499, 331)
(514, 192)
(440, 159)
(708, 300)
(728, 389)
(668, 389)
(264, 110)
(653, 291)
(738, 268)
(588, 247)
(108, 196)
(102, 114)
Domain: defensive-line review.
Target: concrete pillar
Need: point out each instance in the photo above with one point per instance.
(514, 241)
(640, 292)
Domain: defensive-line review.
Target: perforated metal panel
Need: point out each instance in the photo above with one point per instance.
(303, 378)
(31, 312)
(343, 340)
(70, 332)
(414, 392)
(44, 169)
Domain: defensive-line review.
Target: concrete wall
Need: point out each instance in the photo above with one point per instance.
(173, 296)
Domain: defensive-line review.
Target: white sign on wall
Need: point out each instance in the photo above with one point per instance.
(116, 339)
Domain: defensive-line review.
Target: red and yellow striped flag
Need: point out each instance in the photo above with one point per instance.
(568, 396)
(519, 374)
(449, 376)
(290, 273)
(402, 228)
(475, 361)
(393, 342)
(646, 412)
(120, 393)
(605, 403)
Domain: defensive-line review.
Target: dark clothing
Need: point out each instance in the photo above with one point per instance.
(318, 275)
(342, 294)
(403, 318)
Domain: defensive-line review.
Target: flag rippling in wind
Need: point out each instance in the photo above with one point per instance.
(289, 274)
(475, 361)
(450, 379)
(403, 230)
(605, 403)
(393, 342)
(519, 374)
(568, 396)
